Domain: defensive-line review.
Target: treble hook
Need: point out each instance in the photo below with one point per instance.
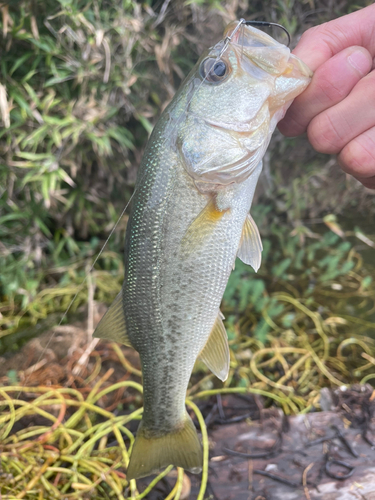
(267, 25)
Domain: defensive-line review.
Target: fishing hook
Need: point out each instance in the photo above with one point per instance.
(267, 25)
(251, 23)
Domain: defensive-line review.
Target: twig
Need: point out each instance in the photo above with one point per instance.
(250, 468)
(83, 360)
(275, 449)
(277, 478)
(332, 461)
(34, 368)
(304, 480)
(345, 442)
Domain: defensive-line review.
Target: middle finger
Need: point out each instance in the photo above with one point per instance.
(332, 129)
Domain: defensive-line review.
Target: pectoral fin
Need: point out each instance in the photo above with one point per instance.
(112, 325)
(215, 354)
(250, 249)
(201, 228)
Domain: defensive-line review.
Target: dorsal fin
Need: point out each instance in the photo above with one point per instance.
(250, 249)
(112, 325)
(215, 354)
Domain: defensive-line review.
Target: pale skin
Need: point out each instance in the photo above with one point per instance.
(337, 110)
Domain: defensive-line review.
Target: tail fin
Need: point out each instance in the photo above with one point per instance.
(180, 447)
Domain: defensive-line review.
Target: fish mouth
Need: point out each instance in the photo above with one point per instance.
(249, 36)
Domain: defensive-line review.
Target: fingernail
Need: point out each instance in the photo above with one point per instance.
(360, 61)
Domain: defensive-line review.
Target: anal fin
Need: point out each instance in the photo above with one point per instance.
(215, 354)
(250, 249)
(112, 325)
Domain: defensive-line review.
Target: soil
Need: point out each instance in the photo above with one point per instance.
(311, 454)
(323, 455)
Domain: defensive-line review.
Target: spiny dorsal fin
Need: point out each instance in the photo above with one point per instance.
(112, 325)
(250, 249)
(201, 227)
(215, 354)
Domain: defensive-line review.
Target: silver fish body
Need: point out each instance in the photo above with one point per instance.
(189, 221)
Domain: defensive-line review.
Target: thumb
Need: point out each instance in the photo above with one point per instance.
(320, 43)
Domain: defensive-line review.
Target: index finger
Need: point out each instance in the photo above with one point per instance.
(320, 43)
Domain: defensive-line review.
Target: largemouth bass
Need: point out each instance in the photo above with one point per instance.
(189, 221)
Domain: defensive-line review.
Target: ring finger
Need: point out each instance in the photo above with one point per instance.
(358, 158)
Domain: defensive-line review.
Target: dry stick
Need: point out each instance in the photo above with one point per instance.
(37, 476)
(304, 480)
(83, 282)
(250, 475)
(82, 362)
(35, 367)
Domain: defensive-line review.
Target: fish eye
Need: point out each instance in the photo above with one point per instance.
(213, 70)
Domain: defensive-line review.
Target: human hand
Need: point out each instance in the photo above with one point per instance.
(338, 107)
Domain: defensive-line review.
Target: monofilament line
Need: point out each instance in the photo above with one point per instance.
(227, 40)
(229, 37)
(81, 285)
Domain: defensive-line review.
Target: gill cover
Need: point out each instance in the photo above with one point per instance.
(238, 99)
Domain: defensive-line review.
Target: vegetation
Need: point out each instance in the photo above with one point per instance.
(81, 85)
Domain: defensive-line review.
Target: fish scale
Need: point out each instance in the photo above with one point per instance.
(189, 220)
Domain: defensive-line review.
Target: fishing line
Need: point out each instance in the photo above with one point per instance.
(227, 41)
(80, 287)
(241, 23)
(226, 44)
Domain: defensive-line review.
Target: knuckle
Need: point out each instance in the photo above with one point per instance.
(323, 135)
(310, 33)
(367, 87)
(292, 125)
(369, 183)
(358, 157)
(328, 91)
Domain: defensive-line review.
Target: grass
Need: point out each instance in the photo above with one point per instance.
(65, 441)
(81, 85)
(70, 456)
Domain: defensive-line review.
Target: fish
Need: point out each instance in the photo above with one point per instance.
(190, 219)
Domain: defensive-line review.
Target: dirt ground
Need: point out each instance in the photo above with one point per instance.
(256, 453)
